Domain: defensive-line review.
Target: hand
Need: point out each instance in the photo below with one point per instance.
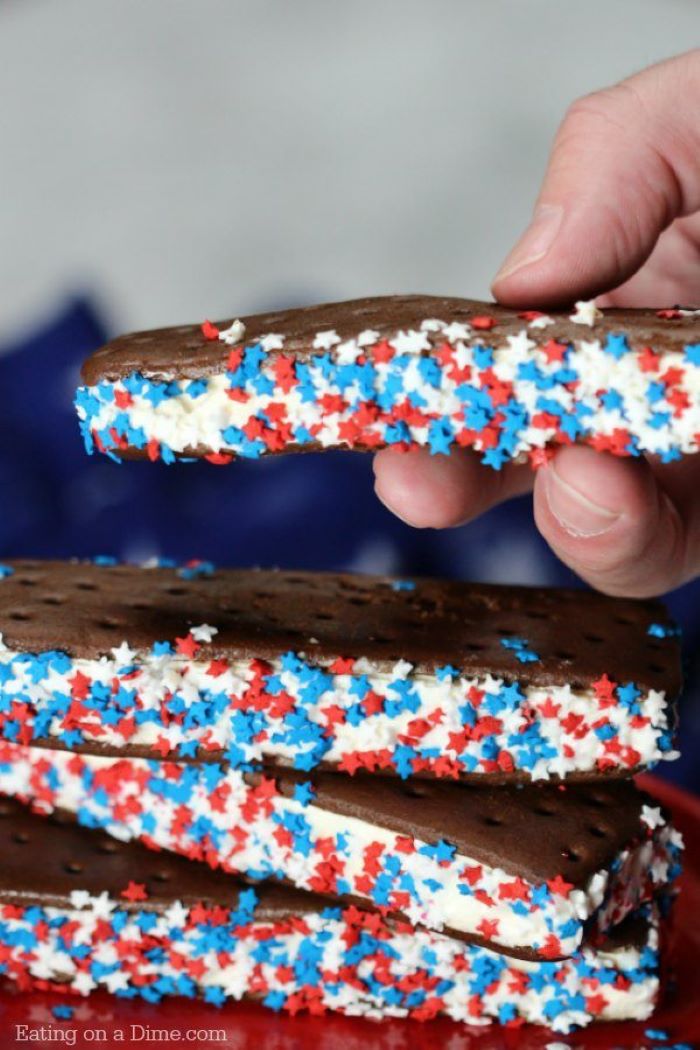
(619, 208)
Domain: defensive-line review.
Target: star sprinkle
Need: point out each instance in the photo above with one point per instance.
(521, 648)
(135, 891)
(233, 334)
(586, 312)
(203, 633)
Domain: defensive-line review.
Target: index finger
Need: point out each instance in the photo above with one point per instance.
(441, 491)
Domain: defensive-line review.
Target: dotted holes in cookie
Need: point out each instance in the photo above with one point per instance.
(108, 623)
(73, 867)
(108, 846)
(597, 801)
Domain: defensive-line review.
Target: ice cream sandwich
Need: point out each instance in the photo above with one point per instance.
(334, 671)
(403, 371)
(527, 869)
(80, 911)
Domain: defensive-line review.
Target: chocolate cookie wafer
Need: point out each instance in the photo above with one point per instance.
(524, 869)
(81, 911)
(354, 673)
(406, 371)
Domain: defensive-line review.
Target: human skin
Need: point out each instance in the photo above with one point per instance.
(617, 217)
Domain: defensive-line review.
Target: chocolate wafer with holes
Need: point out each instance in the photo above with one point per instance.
(403, 371)
(415, 678)
(80, 911)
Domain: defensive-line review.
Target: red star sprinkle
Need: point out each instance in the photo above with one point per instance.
(595, 1004)
(483, 322)
(518, 889)
(210, 331)
(80, 685)
(187, 646)
(342, 665)
(217, 668)
(648, 360)
(551, 949)
(559, 885)
(382, 352)
(162, 746)
(472, 875)
(488, 928)
(135, 891)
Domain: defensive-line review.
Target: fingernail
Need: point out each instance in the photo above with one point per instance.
(536, 241)
(577, 514)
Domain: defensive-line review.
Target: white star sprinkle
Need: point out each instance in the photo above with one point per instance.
(203, 633)
(80, 898)
(432, 325)
(116, 981)
(123, 654)
(347, 353)
(520, 345)
(457, 330)
(177, 914)
(272, 341)
(410, 342)
(651, 816)
(103, 906)
(586, 313)
(367, 338)
(541, 322)
(233, 334)
(326, 340)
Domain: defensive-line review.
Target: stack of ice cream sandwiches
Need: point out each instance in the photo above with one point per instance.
(386, 797)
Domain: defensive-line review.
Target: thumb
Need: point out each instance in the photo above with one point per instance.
(622, 168)
(610, 520)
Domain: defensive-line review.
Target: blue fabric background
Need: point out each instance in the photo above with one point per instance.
(307, 511)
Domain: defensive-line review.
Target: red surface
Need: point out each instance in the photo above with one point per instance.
(248, 1026)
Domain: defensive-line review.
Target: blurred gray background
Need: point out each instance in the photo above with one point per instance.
(183, 159)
